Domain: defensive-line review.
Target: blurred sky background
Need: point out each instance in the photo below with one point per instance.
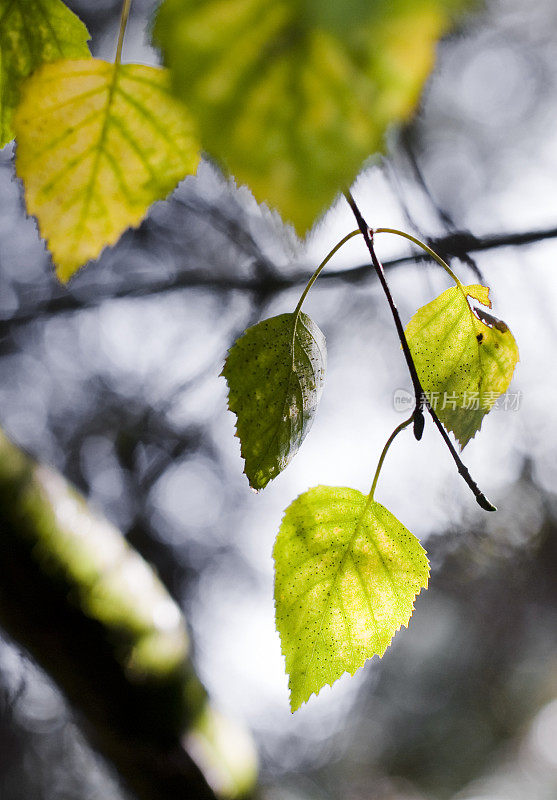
(116, 382)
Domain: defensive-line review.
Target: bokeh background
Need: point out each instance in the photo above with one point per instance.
(115, 381)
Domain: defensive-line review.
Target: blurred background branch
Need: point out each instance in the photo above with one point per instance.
(95, 616)
(458, 244)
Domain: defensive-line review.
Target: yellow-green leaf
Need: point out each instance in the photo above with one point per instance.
(291, 97)
(33, 32)
(465, 358)
(97, 144)
(346, 576)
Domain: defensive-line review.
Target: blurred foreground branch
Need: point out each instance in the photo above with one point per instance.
(95, 616)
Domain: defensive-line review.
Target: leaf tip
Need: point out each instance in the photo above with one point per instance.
(479, 293)
(256, 482)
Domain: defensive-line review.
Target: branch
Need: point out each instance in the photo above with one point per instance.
(442, 214)
(462, 243)
(459, 244)
(421, 397)
(97, 619)
(366, 233)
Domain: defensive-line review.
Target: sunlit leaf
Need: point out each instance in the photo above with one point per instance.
(291, 97)
(346, 576)
(33, 32)
(97, 144)
(465, 358)
(275, 374)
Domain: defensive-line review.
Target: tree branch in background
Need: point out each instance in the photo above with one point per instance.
(95, 616)
(455, 245)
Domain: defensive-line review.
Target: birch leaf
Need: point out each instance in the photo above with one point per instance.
(465, 358)
(33, 32)
(275, 374)
(97, 144)
(291, 97)
(346, 576)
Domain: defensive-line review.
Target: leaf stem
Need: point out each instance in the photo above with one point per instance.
(126, 5)
(424, 246)
(322, 265)
(388, 443)
(437, 258)
(421, 398)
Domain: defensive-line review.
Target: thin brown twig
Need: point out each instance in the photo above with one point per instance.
(368, 238)
(421, 397)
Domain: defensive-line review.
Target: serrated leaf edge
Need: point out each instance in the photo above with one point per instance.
(259, 489)
(114, 239)
(379, 654)
(474, 316)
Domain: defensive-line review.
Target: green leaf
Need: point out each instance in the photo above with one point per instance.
(465, 358)
(97, 144)
(291, 97)
(346, 576)
(33, 32)
(275, 374)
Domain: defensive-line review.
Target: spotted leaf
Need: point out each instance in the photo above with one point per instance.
(275, 374)
(465, 357)
(346, 576)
